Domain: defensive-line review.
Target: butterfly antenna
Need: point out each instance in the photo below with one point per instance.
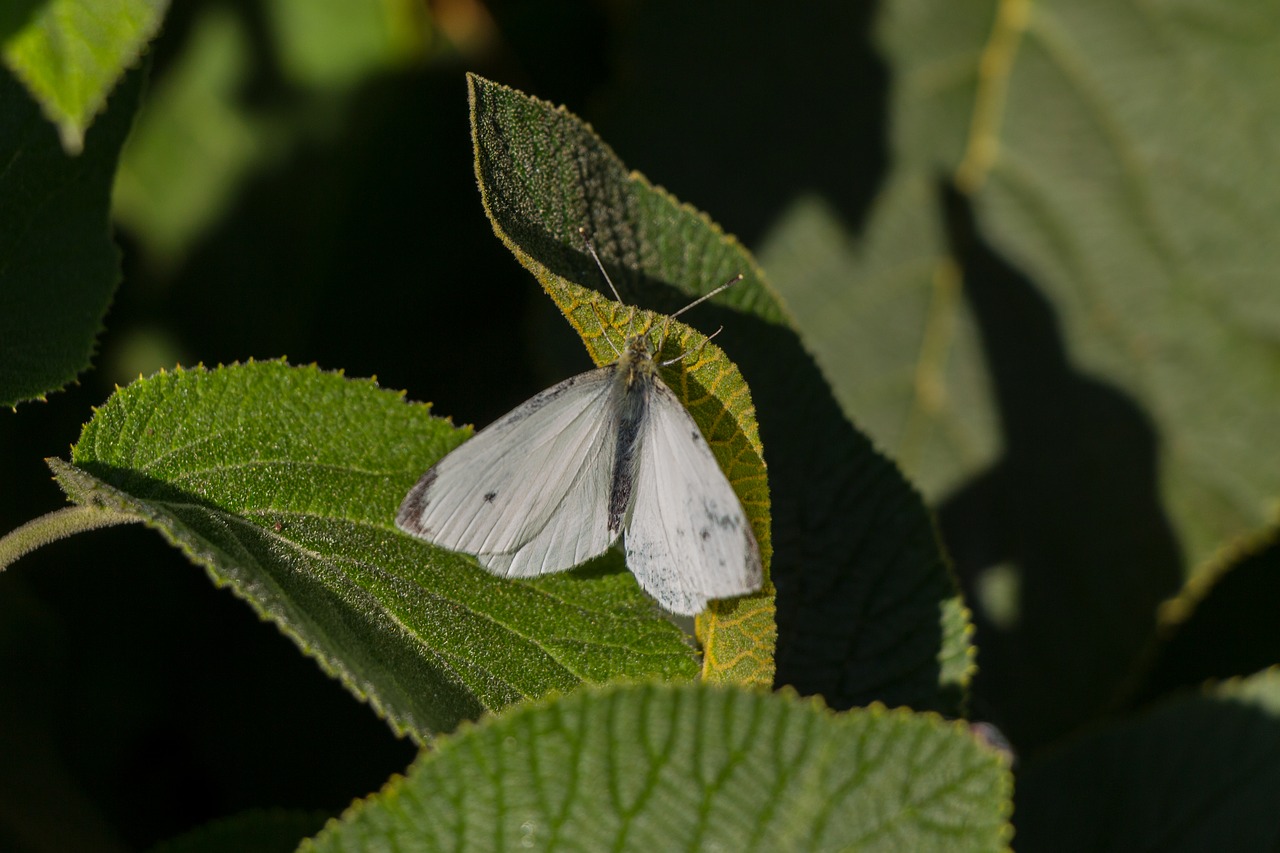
(699, 349)
(701, 299)
(591, 249)
(704, 297)
(600, 321)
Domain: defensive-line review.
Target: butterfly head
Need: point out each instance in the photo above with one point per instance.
(636, 363)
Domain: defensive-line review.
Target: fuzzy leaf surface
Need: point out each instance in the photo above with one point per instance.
(688, 768)
(283, 483)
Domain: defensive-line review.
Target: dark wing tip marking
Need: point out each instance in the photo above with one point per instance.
(409, 518)
(489, 496)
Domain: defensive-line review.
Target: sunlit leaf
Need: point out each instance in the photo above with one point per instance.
(283, 483)
(72, 53)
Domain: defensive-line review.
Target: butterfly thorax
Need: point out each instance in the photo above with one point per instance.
(635, 365)
(635, 375)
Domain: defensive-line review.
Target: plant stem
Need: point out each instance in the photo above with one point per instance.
(58, 524)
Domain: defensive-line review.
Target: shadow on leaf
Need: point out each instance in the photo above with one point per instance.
(1068, 522)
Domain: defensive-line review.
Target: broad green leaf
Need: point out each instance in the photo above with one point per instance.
(513, 136)
(283, 482)
(1152, 230)
(1112, 157)
(1060, 315)
(71, 53)
(1197, 773)
(58, 264)
(868, 603)
(692, 767)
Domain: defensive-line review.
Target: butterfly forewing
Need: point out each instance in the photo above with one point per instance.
(528, 494)
(688, 539)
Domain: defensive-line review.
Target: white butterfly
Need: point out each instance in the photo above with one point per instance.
(608, 453)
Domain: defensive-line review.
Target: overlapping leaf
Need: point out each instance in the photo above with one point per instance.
(866, 592)
(692, 767)
(1061, 314)
(1198, 773)
(283, 483)
(71, 53)
(58, 265)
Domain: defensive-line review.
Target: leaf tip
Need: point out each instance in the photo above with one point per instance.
(71, 135)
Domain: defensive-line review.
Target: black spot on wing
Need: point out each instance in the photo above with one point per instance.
(489, 496)
(730, 520)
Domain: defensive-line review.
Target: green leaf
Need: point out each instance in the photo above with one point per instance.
(58, 264)
(1061, 315)
(1221, 625)
(887, 316)
(1198, 773)
(687, 768)
(283, 482)
(868, 608)
(1151, 231)
(71, 53)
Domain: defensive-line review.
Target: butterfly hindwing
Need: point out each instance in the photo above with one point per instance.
(687, 539)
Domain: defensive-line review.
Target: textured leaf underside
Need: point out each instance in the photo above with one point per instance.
(692, 767)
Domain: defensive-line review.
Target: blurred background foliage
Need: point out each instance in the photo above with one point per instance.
(1032, 246)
